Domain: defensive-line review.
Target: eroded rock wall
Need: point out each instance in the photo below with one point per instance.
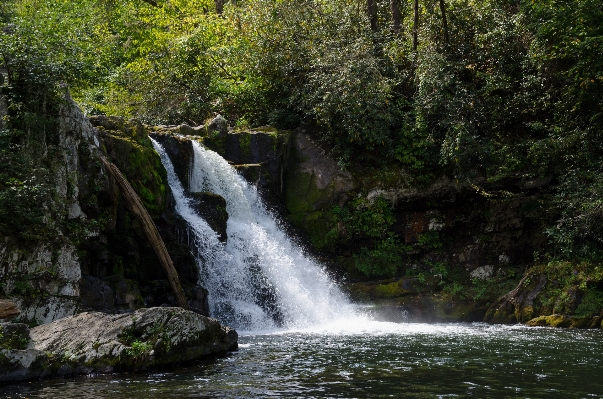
(94, 255)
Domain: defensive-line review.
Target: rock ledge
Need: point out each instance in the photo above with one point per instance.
(96, 342)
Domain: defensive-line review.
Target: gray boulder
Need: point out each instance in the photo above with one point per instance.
(104, 343)
(218, 127)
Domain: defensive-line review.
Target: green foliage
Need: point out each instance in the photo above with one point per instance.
(382, 260)
(372, 218)
(365, 217)
(572, 287)
(516, 93)
(430, 240)
(591, 305)
(139, 348)
(12, 342)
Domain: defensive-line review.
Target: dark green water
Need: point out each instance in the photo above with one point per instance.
(381, 360)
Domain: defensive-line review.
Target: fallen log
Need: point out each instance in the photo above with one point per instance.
(139, 211)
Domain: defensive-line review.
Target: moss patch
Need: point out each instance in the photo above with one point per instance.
(131, 150)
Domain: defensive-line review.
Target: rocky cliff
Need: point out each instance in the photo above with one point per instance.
(90, 253)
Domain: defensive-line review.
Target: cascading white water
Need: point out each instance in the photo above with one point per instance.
(260, 279)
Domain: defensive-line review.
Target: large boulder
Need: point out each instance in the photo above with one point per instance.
(105, 343)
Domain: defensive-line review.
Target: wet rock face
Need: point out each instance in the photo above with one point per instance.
(212, 207)
(261, 155)
(180, 151)
(200, 301)
(313, 185)
(103, 343)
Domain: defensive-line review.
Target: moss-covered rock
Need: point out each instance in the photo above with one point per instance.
(518, 305)
(103, 343)
(263, 147)
(250, 172)
(314, 183)
(127, 145)
(180, 151)
(552, 294)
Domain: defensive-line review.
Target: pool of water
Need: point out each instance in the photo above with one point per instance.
(378, 360)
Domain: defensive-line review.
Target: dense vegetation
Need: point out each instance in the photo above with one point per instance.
(497, 90)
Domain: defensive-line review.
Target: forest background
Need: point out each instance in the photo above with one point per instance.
(500, 90)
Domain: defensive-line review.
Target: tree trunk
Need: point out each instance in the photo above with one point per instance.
(220, 6)
(415, 29)
(150, 230)
(444, 21)
(371, 6)
(396, 16)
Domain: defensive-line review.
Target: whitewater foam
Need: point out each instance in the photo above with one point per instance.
(260, 280)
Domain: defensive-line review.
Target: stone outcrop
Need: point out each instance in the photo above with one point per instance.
(103, 343)
(260, 154)
(313, 184)
(558, 294)
(180, 151)
(517, 306)
(43, 277)
(212, 207)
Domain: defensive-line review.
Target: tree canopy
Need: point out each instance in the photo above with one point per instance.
(496, 90)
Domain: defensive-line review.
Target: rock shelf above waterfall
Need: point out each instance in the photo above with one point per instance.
(94, 342)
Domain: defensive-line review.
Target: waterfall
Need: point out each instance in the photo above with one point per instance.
(260, 279)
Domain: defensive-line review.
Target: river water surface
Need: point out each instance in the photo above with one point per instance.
(373, 360)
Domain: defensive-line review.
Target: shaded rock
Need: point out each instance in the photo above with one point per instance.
(313, 184)
(199, 303)
(180, 151)
(426, 308)
(212, 207)
(95, 294)
(218, 127)
(14, 336)
(103, 343)
(265, 147)
(126, 294)
(482, 272)
(250, 172)
(8, 309)
(186, 130)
